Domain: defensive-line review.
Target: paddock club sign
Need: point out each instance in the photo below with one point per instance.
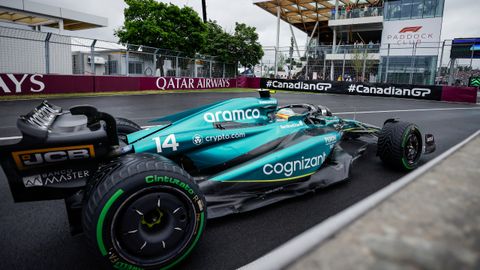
(356, 88)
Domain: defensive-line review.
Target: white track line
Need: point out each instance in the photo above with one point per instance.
(10, 138)
(411, 110)
(338, 113)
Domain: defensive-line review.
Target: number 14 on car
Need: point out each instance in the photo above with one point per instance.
(169, 142)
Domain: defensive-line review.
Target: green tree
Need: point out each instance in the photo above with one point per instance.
(281, 61)
(247, 49)
(219, 43)
(362, 63)
(240, 47)
(166, 26)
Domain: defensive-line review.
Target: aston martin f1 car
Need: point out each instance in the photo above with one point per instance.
(142, 196)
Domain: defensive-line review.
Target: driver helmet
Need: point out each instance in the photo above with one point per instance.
(285, 113)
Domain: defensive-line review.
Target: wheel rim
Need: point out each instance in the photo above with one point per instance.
(411, 150)
(153, 226)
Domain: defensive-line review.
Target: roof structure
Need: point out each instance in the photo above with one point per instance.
(304, 14)
(37, 14)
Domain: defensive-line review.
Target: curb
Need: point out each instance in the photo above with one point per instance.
(289, 252)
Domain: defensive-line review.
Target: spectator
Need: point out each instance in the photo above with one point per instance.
(347, 10)
(333, 12)
(342, 12)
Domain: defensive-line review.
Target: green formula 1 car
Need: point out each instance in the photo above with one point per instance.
(142, 196)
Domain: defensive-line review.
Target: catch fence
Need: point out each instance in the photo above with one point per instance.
(410, 63)
(25, 51)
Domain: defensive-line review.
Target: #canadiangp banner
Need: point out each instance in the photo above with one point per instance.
(356, 88)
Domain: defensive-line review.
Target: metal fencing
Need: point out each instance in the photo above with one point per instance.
(24, 51)
(410, 63)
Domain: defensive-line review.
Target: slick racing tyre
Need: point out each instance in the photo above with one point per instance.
(125, 127)
(143, 212)
(400, 145)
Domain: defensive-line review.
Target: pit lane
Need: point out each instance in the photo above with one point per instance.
(36, 235)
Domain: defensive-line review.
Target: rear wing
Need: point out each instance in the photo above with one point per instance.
(59, 151)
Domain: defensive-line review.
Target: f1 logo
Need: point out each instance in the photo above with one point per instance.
(412, 29)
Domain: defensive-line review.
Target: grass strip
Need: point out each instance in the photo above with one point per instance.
(122, 93)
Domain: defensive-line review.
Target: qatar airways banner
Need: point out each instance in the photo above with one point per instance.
(356, 88)
(24, 84)
(403, 34)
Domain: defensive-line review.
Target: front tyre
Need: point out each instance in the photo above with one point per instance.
(144, 212)
(400, 145)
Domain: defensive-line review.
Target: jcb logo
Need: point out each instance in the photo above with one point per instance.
(37, 157)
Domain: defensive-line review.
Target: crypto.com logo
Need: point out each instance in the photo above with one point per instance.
(412, 29)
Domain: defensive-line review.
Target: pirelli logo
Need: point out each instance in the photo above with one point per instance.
(38, 157)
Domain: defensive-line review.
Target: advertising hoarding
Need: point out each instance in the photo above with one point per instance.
(25, 84)
(431, 92)
(403, 34)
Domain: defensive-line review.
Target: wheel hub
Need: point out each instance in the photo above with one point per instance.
(411, 149)
(153, 226)
(152, 218)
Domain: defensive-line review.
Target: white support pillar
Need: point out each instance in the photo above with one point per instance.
(177, 68)
(278, 39)
(388, 64)
(295, 41)
(309, 39)
(451, 71)
(365, 56)
(334, 49)
(60, 26)
(441, 59)
(334, 43)
(412, 66)
(92, 57)
(336, 10)
(195, 71)
(127, 71)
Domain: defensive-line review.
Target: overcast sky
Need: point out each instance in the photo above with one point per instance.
(461, 17)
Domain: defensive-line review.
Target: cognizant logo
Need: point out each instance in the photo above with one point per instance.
(234, 115)
(290, 167)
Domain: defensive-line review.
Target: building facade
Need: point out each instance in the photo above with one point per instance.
(390, 41)
(410, 40)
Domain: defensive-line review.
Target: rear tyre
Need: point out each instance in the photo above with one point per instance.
(125, 127)
(143, 212)
(400, 145)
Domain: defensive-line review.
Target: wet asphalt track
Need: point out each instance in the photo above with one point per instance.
(36, 235)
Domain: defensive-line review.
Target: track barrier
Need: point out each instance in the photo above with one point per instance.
(26, 84)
